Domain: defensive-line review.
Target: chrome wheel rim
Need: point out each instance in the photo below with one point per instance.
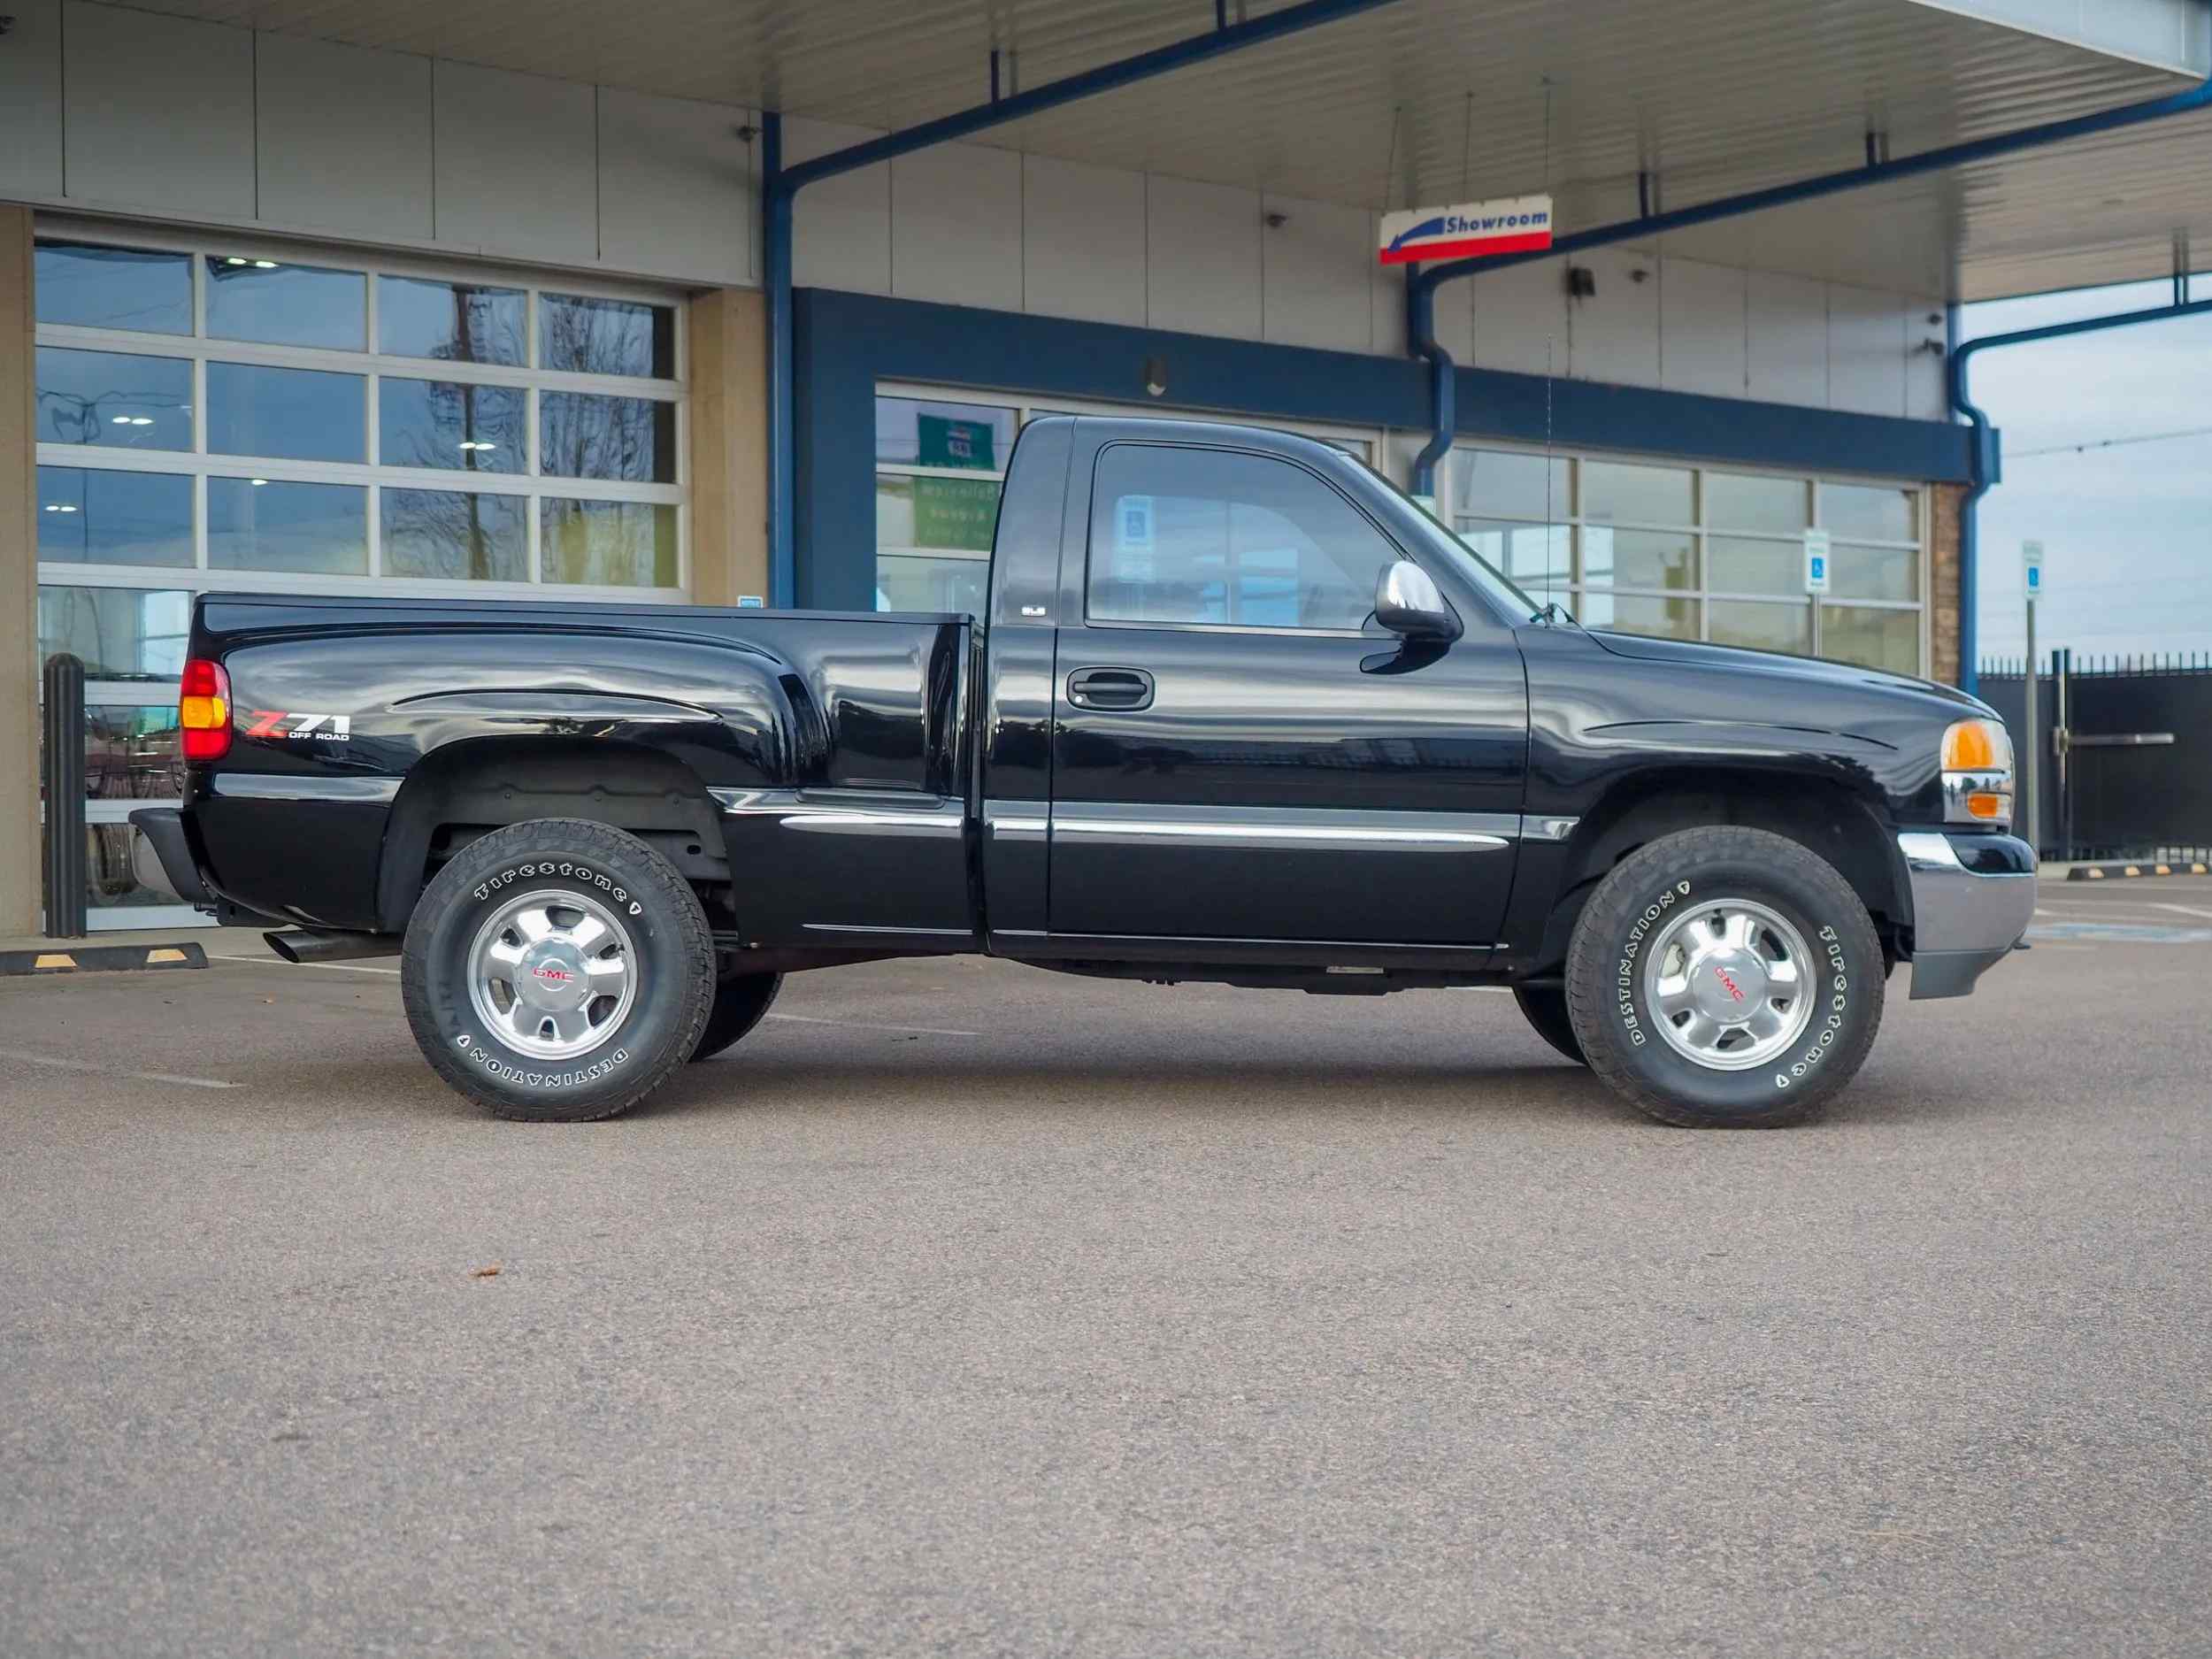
(1730, 984)
(553, 974)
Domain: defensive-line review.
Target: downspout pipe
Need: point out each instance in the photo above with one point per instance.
(780, 184)
(1421, 341)
(1986, 461)
(1876, 171)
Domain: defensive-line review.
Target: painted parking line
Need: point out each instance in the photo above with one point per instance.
(2182, 909)
(869, 1025)
(271, 962)
(60, 1065)
(2121, 934)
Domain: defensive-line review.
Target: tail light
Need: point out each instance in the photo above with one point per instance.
(204, 710)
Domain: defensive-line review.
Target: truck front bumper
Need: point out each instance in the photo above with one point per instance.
(1972, 898)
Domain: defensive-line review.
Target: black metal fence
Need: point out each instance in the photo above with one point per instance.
(2123, 756)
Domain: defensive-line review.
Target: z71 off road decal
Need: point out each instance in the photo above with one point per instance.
(289, 722)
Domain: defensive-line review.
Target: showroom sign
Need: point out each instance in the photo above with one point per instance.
(1520, 224)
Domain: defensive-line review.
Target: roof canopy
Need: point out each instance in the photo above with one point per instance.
(1432, 101)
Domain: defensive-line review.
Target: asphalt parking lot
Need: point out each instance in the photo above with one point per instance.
(972, 1310)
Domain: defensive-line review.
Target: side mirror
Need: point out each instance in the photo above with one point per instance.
(1408, 602)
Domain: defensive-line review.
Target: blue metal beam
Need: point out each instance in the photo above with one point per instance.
(1420, 288)
(1986, 461)
(779, 183)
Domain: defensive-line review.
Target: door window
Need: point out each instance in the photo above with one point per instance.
(1210, 536)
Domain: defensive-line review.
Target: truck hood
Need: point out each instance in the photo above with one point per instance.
(1692, 653)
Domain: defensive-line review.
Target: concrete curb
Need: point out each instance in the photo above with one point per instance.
(74, 958)
(2100, 872)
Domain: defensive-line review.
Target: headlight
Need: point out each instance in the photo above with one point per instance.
(1977, 773)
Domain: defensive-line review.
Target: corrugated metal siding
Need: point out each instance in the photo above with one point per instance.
(1432, 100)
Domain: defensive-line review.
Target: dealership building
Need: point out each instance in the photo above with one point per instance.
(728, 302)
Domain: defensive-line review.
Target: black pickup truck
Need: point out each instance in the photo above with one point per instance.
(1239, 711)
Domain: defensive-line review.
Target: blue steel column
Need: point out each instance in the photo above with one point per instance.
(775, 255)
(780, 184)
(1986, 464)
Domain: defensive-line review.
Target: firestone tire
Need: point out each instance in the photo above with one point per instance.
(1660, 929)
(566, 905)
(741, 1001)
(1547, 1010)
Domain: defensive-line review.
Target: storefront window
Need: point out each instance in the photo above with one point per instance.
(1712, 555)
(98, 516)
(285, 305)
(118, 632)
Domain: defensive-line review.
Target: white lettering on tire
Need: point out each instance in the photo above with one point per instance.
(1624, 982)
(1838, 1004)
(574, 871)
(499, 1069)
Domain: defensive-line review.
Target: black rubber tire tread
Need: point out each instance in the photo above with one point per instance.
(671, 922)
(1752, 863)
(741, 1001)
(1546, 1007)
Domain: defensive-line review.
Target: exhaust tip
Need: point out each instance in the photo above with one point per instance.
(282, 944)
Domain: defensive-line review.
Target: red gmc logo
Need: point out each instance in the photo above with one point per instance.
(561, 976)
(1722, 975)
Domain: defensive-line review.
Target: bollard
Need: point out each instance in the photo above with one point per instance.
(63, 774)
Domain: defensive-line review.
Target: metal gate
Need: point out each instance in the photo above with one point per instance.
(2124, 755)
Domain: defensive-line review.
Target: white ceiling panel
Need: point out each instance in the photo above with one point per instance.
(1436, 100)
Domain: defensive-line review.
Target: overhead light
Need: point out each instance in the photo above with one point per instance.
(257, 483)
(141, 420)
(265, 265)
(471, 443)
(59, 506)
(119, 421)
(233, 259)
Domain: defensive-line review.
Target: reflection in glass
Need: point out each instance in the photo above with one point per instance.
(110, 884)
(120, 632)
(116, 400)
(1879, 639)
(459, 322)
(451, 424)
(1505, 484)
(1614, 492)
(131, 751)
(1861, 513)
(581, 434)
(283, 304)
(1532, 554)
(1873, 572)
(1639, 558)
(1742, 565)
(1197, 535)
(460, 536)
(90, 287)
(608, 543)
(269, 525)
(1736, 500)
(924, 511)
(912, 432)
(299, 414)
(588, 336)
(904, 582)
(95, 516)
(1778, 628)
(1626, 613)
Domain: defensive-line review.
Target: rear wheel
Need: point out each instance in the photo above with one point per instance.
(1725, 977)
(741, 1001)
(558, 971)
(1546, 1007)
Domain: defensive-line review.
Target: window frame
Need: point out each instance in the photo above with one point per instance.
(371, 366)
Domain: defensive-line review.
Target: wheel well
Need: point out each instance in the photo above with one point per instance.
(1819, 814)
(455, 793)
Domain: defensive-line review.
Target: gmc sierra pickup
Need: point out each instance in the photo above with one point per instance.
(1237, 710)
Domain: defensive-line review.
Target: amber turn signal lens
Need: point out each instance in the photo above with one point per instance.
(1977, 746)
(1995, 808)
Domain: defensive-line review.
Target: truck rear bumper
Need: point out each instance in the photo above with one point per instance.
(1972, 898)
(170, 868)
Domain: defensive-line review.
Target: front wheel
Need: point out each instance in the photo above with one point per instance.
(558, 971)
(1725, 977)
